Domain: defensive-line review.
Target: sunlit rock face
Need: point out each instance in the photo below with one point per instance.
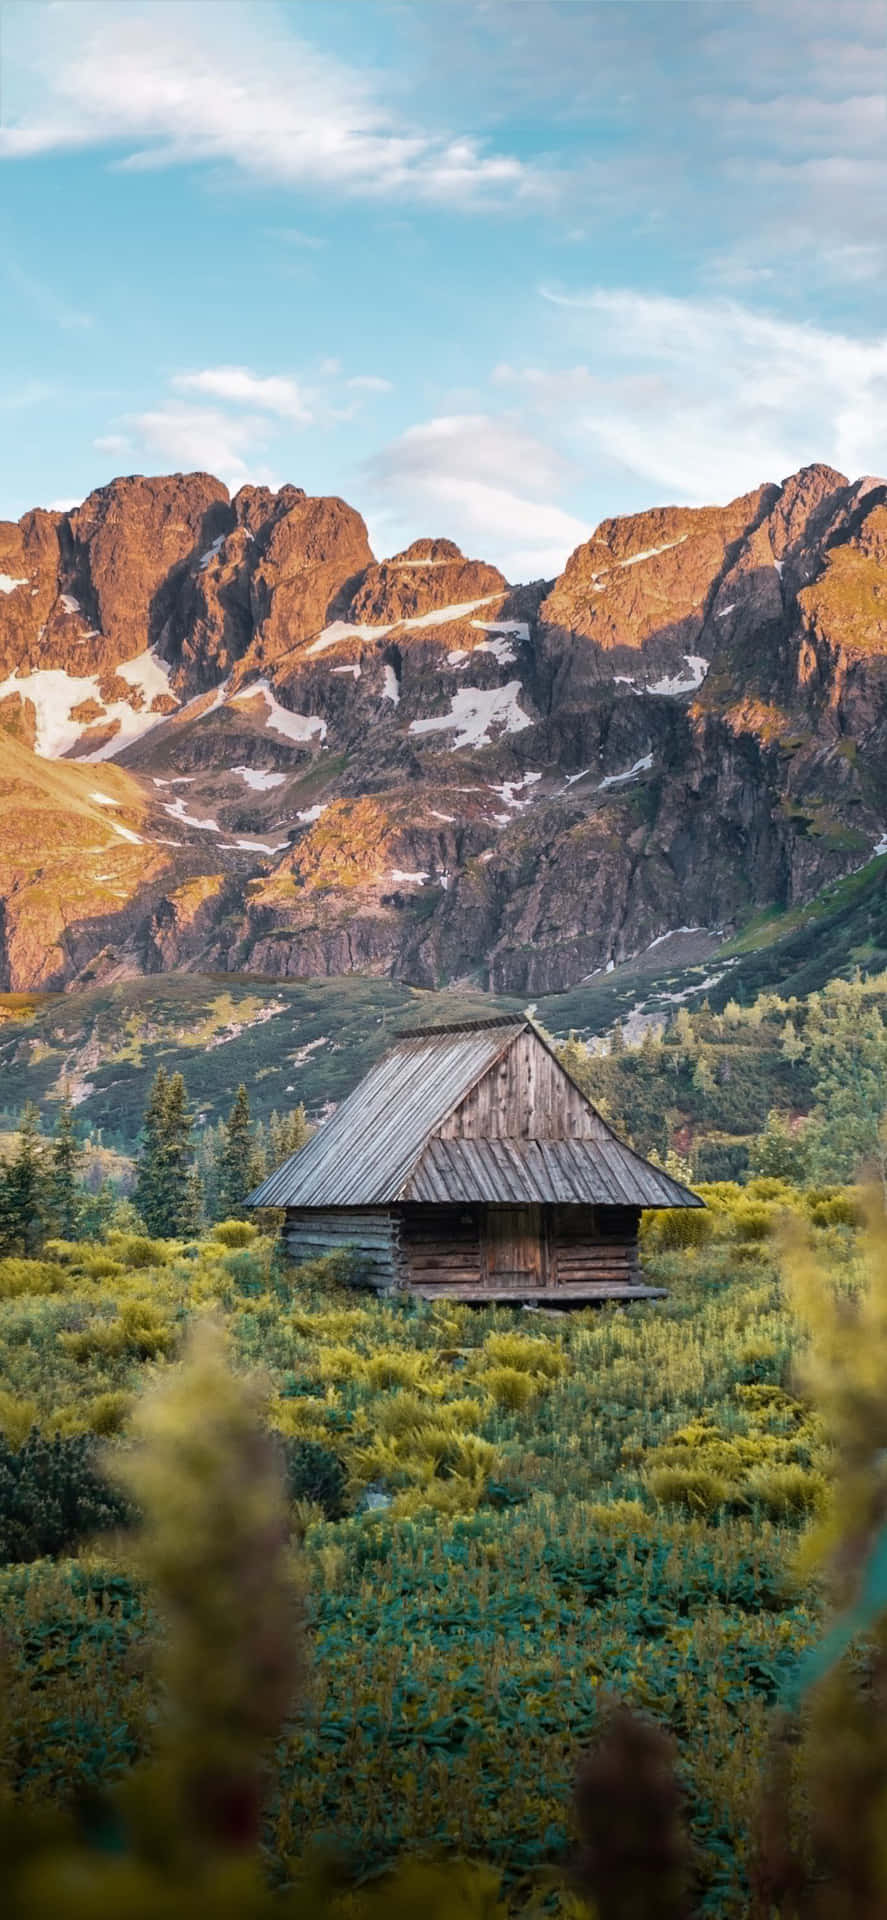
(233, 739)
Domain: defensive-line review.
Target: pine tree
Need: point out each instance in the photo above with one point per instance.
(193, 1213)
(178, 1194)
(65, 1191)
(237, 1153)
(25, 1188)
(162, 1193)
(148, 1192)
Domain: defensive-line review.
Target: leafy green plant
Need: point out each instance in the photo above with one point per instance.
(52, 1495)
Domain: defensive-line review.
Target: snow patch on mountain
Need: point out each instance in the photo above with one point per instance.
(474, 710)
(616, 779)
(260, 781)
(55, 693)
(439, 617)
(390, 688)
(696, 670)
(178, 811)
(8, 584)
(300, 727)
(148, 673)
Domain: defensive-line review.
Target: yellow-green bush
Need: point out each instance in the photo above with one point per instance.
(510, 1387)
(522, 1351)
(235, 1233)
(17, 1416)
(694, 1488)
(20, 1276)
(137, 1250)
(140, 1331)
(674, 1228)
(396, 1369)
(788, 1491)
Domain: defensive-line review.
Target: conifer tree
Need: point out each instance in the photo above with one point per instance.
(25, 1188)
(148, 1194)
(236, 1159)
(65, 1191)
(178, 1194)
(164, 1195)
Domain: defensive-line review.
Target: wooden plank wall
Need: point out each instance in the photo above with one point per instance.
(525, 1096)
(308, 1233)
(442, 1245)
(590, 1243)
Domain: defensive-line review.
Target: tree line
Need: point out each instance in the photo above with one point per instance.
(185, 1178)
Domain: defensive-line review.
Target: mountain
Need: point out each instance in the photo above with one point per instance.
(236, 743)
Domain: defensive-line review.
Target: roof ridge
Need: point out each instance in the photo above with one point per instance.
(461, 1026)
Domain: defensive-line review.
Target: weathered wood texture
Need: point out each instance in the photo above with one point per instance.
(595, 1244)
(372, 1232)
(525, 1096)
(442, 1246)
(519, 1250)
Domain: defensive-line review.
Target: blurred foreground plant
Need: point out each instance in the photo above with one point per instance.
(181, 1836)
(822, 1844)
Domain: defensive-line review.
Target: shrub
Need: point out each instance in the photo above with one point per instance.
(136, 1250)
(522, 1351)
(52, 1496)
(392, 1369)
(19, 1276)
(835, 1210)
(140, 1332)
(677, 1227)
(316, 1475)
(510, 1387)
(694, 1488)
(752, 1221)
(235, 1233)
(100, 1266)
(17, 1416)
(786, 1492)
(104, 1414)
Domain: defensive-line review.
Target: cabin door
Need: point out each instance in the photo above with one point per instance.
(514, 1247)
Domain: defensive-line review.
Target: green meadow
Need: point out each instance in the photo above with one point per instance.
(502, 1519)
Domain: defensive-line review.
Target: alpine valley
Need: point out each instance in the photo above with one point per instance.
(236, 743)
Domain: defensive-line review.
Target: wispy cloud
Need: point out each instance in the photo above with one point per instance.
(248, 93)
(205, 439)
(705, 398)
(273, 393)
(485, 481)
(369, 383)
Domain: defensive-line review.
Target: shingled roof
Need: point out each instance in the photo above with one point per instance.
(379, 1145)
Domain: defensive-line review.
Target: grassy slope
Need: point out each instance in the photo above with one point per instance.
(516, 1616)
(109, 1040)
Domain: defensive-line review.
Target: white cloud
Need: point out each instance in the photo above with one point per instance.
(482, 480)
(206, 439)
(704, 399)
(111, 443)
(274, 393)
(370, 383)
(246, 91)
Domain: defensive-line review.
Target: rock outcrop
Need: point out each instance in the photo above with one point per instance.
(410, 767)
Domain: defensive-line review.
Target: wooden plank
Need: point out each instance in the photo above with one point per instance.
(545, 1296)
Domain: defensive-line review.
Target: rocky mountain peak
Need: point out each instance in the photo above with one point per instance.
(329, 763)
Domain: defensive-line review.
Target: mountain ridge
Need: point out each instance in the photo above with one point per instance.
(410, 768)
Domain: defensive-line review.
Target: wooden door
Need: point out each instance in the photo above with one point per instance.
(514, 1247)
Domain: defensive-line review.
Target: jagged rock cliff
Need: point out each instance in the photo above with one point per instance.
(313, 762)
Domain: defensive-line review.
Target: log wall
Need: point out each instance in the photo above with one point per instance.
(372, 1232)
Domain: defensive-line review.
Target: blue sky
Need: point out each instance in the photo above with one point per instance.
(490, 269)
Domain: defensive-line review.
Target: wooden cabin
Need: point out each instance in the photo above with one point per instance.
(468, 1164)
